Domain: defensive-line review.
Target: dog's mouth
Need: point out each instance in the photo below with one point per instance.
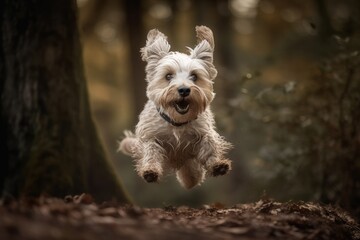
(182, 106)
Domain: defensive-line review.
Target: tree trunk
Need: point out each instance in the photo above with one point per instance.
(50, 141)
(137, 37)
(326, 29)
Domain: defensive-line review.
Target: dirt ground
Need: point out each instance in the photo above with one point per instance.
(79, 218)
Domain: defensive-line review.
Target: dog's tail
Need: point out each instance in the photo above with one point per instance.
(128, 144)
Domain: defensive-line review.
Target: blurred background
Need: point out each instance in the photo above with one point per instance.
(287, 93)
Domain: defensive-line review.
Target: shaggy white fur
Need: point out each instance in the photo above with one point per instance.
(176, 129)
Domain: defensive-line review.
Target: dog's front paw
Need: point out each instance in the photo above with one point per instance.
(220, 169)
(150, 176)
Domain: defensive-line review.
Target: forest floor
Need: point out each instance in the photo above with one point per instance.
(80, 218)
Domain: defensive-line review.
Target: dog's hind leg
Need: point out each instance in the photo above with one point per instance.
(191, 174)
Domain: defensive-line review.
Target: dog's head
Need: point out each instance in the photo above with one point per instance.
(180, 85)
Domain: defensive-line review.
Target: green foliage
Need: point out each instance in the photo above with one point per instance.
(313, 131)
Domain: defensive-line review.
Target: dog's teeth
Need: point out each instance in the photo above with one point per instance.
(181, 110)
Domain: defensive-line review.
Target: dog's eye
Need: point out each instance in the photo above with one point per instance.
(193, 77)
(169, 76)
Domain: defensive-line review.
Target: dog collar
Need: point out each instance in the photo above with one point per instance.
(169, 120)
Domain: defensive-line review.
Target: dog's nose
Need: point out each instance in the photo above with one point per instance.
(184, 91)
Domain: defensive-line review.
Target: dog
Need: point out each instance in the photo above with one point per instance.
(176, 129)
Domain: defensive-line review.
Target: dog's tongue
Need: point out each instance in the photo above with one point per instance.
(182, 106)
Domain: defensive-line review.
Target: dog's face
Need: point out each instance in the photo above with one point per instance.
(180, 85)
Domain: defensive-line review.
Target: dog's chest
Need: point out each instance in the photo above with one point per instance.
(180, 146)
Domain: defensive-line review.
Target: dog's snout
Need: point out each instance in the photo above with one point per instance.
(184, 91)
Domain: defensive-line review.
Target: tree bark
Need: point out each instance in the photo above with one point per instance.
(50, 140)
(137, 37)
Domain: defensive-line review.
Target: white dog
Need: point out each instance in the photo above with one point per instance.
(176, 129)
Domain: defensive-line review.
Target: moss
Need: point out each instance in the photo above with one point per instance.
(50, 171)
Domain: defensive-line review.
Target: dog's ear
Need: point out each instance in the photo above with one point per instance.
(204, 50)
(156, 46)
(205, 33)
